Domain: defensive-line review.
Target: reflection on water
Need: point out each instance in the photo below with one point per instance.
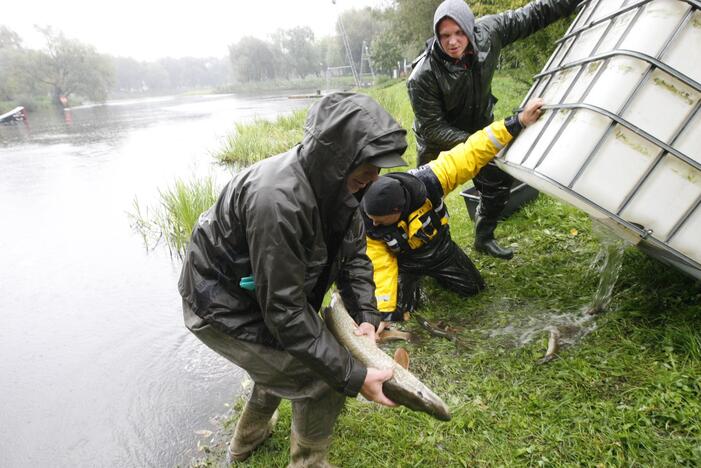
(97, 368)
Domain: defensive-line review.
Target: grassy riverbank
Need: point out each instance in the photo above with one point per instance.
(625, 391)
(628, 393)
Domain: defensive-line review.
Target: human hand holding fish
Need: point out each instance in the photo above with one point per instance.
(368, 330)
(396, 383)
(372, 387)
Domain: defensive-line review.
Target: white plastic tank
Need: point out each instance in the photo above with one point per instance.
(621, 136)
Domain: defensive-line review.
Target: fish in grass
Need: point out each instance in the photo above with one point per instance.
(403, 388)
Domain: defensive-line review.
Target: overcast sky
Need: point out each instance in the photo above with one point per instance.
(150, 29)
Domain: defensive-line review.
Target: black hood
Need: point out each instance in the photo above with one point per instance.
(414, 191)
(342, 131)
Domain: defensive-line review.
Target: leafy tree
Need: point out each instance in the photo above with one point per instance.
(386, 51)
(10, 44)
(360, 25)
(169, 74)
(217, 71)
(413, 24)
(252, 59)
(300, 57)
(330, 52)
(9, 39)
(156, 77)
(129, 74)
(527, 57)
(186, 72)
(70, 67)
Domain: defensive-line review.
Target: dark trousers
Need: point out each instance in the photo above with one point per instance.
(453, 270)
(276, 374)
(494, 187)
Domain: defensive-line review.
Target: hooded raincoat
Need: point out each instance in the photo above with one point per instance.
(453, 98)
(290, 222)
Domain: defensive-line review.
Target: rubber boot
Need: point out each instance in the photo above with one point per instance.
(254, 426)
(312, 427)
(305, 453)
(484, 238)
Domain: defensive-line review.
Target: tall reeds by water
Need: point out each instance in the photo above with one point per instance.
(251, 142)
(172, 221)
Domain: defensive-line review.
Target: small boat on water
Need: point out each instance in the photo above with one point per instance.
(15, 115)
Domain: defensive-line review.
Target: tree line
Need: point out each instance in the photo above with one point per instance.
(392, 35)
(67, 69)
(389, 36)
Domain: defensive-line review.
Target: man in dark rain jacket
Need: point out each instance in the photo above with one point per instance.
(407, 221)
(290, 225)
(450, 92)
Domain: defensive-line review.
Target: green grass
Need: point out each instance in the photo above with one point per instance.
(263, 138)
(510, 93)
(172, 222)
(625, 392)
(628, 393)
(30, 103)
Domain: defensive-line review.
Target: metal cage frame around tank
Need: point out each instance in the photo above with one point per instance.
(543, 79)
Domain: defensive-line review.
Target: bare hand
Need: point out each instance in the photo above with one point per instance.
(381, 328)
(366, 329)
(372, 387)
(531, 112)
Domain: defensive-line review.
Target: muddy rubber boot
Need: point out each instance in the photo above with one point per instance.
(312, 428)
(254, 426)
(305, 453)
(484, 238)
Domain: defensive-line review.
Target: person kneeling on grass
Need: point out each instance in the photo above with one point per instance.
(407, 221)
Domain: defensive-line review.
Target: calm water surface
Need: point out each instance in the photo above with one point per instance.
(96, 368)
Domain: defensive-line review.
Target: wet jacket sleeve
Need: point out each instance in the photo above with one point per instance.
(512, 25)
(386, 275)
(279, 260)
(355, 279)
(460, 164)
(429, 115)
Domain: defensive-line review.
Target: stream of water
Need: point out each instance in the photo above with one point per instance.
(572, 326)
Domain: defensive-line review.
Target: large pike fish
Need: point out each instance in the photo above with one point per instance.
(403, 388)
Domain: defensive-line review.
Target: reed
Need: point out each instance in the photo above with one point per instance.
(172, 221)
(252, 142)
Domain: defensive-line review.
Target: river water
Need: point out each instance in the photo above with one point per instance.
(96, 368)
